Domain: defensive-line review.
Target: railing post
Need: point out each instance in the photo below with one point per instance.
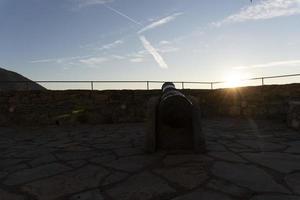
(92, 85)
(212, 85)
(182, 85)
(262, 81)
(147, 85)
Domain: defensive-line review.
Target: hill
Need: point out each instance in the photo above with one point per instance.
(7, 76)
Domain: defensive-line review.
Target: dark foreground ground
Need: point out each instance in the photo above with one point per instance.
(257, 160)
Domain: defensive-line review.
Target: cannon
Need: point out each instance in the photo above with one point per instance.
(173, 122)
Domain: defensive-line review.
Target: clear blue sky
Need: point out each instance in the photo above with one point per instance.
(191, 40)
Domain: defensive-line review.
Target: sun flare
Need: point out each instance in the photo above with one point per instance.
(233, 80)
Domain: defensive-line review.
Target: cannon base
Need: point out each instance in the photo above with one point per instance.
(169, 138)
(160, 136)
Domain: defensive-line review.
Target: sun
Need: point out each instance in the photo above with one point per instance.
(234, 80)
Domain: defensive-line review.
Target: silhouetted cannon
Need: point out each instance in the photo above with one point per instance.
(173, 122)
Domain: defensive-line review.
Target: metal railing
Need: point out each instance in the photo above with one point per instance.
(262, 79)
(147, 83)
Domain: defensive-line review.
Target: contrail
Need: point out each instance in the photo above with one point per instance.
(147, 45)
(123, 15)
(160, 22)
(157, 57)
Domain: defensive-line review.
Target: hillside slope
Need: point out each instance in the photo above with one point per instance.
(6, 76)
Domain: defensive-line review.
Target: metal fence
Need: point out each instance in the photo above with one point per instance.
(147, 84)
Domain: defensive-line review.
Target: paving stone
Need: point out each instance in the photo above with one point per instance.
(114, 178)
(228, 156)
(229, 188)
(6, 143)
(113, 145)
(9, 162)
(66, 183)
(261, 145)
(103, 158)
(129, 151)
(294, 147)
(282, 162)
(132, 163)
(247, 176)
(48, 158)
(85, 149)
(10, 196)
(76, 163)
(28, 175)
(184, 158)
(57, 143)
(231, 144)
(189, 175)
(293, 180)
(73, 146)
(33, 153)
(203, 194)
(3, 174)
(275, 197)
(6, 131)
(88, 195)
(142, 186)
(215, 147)
(67, 156)
(235, 150)
(15, 168)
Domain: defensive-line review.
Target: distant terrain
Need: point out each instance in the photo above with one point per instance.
(6, 76)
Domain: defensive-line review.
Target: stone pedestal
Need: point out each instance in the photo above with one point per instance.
(293, 117)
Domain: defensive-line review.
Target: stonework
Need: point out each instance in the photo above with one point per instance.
(293, 116)
(107, 162)
(142, 186)
(102, 107)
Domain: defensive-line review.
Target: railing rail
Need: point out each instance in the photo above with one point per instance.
(183, 83)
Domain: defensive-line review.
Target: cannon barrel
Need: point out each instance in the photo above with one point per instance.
(173, 122)
(174, 109)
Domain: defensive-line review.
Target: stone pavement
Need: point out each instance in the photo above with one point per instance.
(246, 159)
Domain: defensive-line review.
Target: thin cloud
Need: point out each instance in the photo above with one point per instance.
(160, 22)
(111, 45)
(58, 60)
(164, 42)
(157, 57)
(166, 46)
(86, 3)
(168, 49)
(118, 57)
(44, 60)
(137, 57)
(264, 10)
(137, 60)
(271, 64)
(94, 61)
(195, 33)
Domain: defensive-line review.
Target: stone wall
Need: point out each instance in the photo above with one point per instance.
(293, 115)
(69, 107)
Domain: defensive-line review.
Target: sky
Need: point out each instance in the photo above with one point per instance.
(183, 40)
